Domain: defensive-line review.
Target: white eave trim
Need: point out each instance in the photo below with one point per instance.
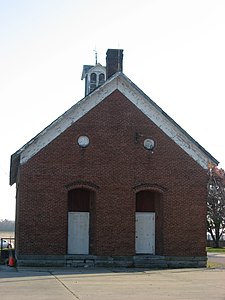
(155, 114)
(66, 120)
(138, 98)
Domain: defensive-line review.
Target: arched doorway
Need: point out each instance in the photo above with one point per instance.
(145, 222)
(79, 220)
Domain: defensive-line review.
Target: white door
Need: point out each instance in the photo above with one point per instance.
(145, 233)
(78, 232)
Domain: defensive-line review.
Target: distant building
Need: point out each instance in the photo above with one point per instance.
(113, 181)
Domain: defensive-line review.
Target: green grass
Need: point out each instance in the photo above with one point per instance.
(218, 250)
(214, 265)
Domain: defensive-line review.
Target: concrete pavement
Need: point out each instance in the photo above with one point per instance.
(217, 257)
(107, 284)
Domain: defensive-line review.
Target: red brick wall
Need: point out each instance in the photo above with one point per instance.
(113, 164)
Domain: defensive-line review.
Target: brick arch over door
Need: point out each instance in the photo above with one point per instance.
(151, 201)
(79, 200)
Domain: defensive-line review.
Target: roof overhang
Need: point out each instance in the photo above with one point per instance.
(117, 82)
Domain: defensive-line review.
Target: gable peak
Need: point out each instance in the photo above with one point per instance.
(96, 75)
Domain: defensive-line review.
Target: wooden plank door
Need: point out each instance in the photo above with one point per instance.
(78, 232)
(145, 233)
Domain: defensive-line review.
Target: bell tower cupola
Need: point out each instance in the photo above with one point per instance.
(94, 75)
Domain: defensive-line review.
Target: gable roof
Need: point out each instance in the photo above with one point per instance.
(120, 82)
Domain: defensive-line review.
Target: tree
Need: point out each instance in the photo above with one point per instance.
(216, 204)
(7, 225)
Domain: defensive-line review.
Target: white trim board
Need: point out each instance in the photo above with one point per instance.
(117, 82)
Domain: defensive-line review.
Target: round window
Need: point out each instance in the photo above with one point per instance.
(83, 141)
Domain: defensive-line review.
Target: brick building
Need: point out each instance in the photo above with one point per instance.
(114, 180)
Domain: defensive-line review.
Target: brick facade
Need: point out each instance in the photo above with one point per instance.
(115, 166)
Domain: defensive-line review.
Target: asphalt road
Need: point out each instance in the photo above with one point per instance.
(216, 258)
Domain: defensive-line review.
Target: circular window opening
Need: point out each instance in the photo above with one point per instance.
(149, 144)
(83, 141)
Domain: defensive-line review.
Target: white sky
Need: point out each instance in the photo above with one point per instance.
(173, 50)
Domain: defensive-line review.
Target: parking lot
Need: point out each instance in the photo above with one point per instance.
(107, 284)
